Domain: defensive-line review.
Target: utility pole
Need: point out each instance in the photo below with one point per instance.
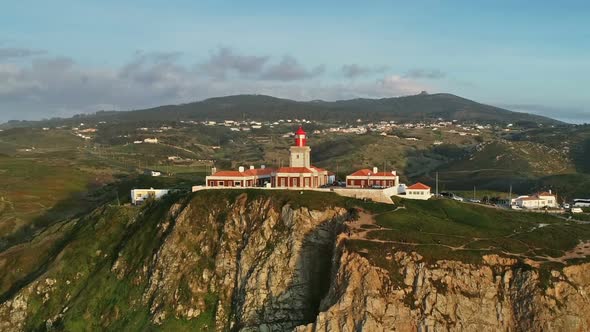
(436, 184)
(474, 193)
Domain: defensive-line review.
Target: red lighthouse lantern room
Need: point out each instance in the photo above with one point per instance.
(300, 137)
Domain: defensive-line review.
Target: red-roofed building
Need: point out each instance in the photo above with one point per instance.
(253, 177)
(418, 191)
(366, 178)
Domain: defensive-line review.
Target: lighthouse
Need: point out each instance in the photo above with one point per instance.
(299, 156)
(300, 138)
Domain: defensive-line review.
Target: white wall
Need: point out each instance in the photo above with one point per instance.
(417, 194)
(139, 195)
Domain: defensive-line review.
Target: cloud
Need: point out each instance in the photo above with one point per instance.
(354, 70)
(289, 69)
(60, 86)
(15, 52)
(225, 61)
(421, 73)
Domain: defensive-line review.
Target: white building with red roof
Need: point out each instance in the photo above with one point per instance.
(366, 178)
(252, 177)
(300, 173)
(417, 191)
(536, 201)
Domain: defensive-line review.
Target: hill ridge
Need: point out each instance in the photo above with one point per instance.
(265, 107)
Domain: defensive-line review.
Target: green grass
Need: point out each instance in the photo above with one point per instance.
(446, 229)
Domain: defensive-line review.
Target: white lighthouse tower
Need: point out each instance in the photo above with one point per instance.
(300, 153)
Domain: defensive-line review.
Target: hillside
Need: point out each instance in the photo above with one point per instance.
(266, 108)
(260, 260)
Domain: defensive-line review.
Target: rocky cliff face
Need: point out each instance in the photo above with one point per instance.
(499, 295)
(223, 263)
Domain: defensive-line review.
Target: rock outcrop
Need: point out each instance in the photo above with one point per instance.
(259, 264)
(499, 295)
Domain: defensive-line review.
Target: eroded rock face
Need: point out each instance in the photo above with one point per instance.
(265, 265)
(452, 296)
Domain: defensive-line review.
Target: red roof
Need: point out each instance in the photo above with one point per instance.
(419, 186)
(300, 131)
(294, 170)
(248, 172)
(361, 172)
(545, 194)
(229, 173)
(367, 172)
(383, 174)
(318, 169)
(259, 171)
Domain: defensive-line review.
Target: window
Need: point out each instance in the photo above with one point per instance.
(220, 183)
(237, 184)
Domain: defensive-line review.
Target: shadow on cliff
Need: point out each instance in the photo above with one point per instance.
(312, 279)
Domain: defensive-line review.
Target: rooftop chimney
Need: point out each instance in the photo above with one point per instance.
(251, 167)
(262, 166)
(375, 170)
(213, 170)
(241, 169)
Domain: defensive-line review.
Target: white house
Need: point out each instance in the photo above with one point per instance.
(151, 140)
(138, 196)
(417, 191)
(153, 173)
(536, 201)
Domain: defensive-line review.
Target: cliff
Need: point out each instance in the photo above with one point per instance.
(223, 261)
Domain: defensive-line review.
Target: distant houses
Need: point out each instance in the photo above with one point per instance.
(151, 140)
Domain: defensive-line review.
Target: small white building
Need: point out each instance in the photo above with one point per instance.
(417, 191)
(153, 173)
(138, 196)
(151, 140)
(536, 201)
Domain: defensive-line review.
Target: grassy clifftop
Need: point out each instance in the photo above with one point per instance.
(450, 230)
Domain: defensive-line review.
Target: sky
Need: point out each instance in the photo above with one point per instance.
(64, 57)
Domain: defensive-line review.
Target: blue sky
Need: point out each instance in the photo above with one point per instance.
(59, 57)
